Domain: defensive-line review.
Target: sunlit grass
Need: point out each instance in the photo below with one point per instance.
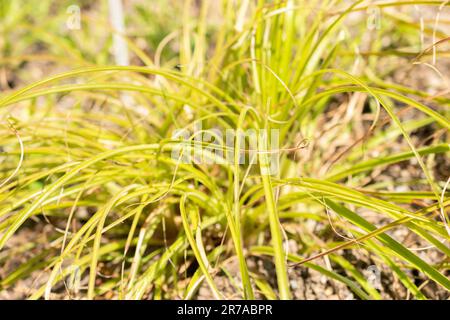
(87, 153)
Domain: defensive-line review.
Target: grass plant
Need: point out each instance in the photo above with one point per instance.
(89, 180)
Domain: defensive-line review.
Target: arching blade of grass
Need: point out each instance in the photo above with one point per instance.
(392, 244)
(195, 243)
(372, 163)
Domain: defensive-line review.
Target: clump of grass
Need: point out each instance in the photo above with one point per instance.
(126, 219)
